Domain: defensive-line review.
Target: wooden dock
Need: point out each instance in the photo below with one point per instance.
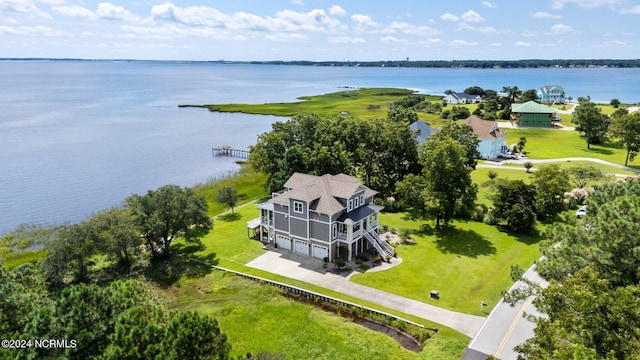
(229, 151)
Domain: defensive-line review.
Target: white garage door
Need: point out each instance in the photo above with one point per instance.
(283, 242)
(301, 247)
(320, 252)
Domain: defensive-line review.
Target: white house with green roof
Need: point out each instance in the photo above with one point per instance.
(533, 114)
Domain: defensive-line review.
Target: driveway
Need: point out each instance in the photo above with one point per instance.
(310, 270)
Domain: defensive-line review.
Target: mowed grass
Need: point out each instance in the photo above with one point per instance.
(254, 316)
(480, 176)
(257, 319)
(362, 103)
(550, 144)
(467, 262)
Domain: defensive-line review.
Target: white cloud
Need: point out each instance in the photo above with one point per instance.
(561, 29)
(633, 10)
(464, 26)
(363, 20)
(346, 40)
(297, 2)
(171, 31)
(449, 17)
(391, 39)
(286, 37)
(587, 4)
(74, 11)
(109, 11)
(496, 44)
(472, 16)
(400, 26)
(544, 15)
(430, 41)
(23, 7)
(31, 31)
(286, 20)
(487, 30)
(337, 10)
(618, 43)
(464, 43)
(488, 4)
(523, 44)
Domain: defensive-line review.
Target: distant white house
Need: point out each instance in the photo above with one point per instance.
(493, 141)
(462, 98)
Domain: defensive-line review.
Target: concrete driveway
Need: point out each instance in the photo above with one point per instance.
(307, 269)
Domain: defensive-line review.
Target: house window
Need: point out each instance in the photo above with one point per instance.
(335, 230)
(350, 205)
(361, 199)
(356, 202)
(297, 207)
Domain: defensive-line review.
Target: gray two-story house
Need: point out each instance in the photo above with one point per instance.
(314, 215)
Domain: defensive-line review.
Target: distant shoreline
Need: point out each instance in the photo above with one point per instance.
(470, 64)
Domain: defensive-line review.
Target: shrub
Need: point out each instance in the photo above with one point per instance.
(492, 174)
(490, 218)
(528, 165)
(340, 262)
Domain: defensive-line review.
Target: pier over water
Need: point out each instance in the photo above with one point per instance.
(229, 151)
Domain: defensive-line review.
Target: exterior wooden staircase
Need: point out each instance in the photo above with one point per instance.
(382, 247)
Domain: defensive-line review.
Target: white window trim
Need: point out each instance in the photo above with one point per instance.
(356, 202)
(295, 204)
(362, 200)
(350, 205)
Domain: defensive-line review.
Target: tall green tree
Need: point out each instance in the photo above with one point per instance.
(69, 254)
(528, 95)
(627, 129)
(117, 236)
(463, 134)
(227, 196)
(515, 203)
(590, 120)
(587, 318)
(605, 239)
(550, 182)
(581, 175)
(170, 211)
(447, 179)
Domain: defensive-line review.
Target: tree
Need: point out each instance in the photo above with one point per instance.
(474, 90)
(627, 129)
(170, 211)
(463, 134)
(227, 196)
(514, 202)
(117, 236)
(528, 95)
(615, 103)
(606, 239)
(581, 175)
(70, 252)
(458, 112)
(528, 165)
(521, 143)
(447, 179)
(192, 336)
(550, 182)
(590, 121)
(587, 317)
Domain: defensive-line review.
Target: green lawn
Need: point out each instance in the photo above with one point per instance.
(549, 144)
(467, 263)
(247, 183)
(257, 319)
(248, 310)
(480, 177)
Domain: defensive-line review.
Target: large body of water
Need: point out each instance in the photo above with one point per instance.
(77, 137)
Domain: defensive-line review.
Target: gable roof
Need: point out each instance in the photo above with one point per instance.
(325, 194)
(423, 129)
(548, 88)
(532, 107)
(464, 96)
(485, 129)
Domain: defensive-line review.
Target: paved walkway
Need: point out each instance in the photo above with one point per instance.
(509, 164)
(310, 270)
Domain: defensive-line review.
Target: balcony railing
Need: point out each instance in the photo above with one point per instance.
(266, 221)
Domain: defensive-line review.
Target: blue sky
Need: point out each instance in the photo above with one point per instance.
(343, 30)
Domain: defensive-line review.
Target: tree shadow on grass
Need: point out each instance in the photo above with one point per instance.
(528, 239)
(452, 240)
(185, 261)
(599, 150)
(229, 217)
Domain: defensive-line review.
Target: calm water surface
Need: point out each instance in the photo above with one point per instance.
(78, 137)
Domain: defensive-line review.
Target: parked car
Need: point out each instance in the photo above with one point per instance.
(581, 212)
(508, 156)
